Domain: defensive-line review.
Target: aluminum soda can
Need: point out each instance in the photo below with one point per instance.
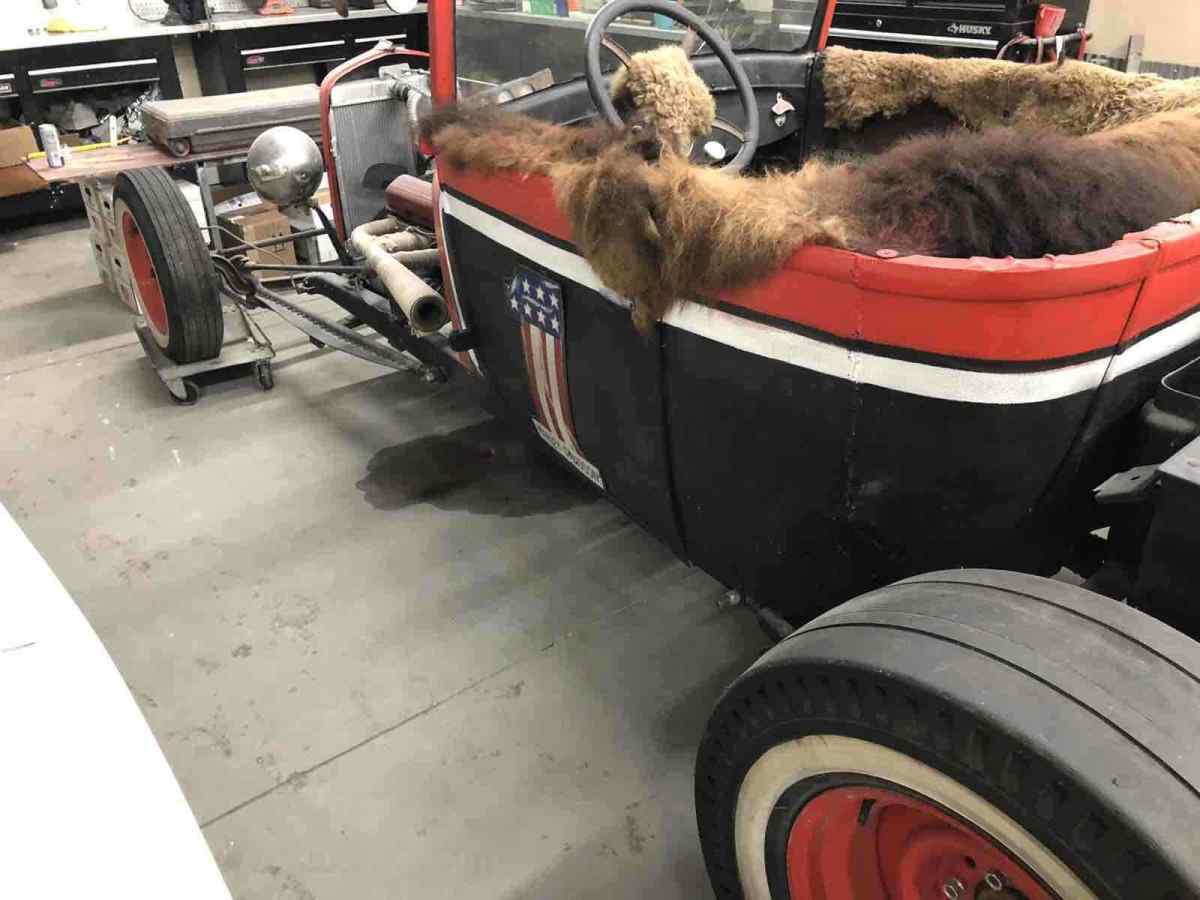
(52, 145)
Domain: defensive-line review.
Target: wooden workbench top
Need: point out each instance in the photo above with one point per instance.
(112, 161)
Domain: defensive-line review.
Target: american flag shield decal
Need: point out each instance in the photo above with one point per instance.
(537, 303)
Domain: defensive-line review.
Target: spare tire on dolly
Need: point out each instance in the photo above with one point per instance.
(169, 266)
(965, 735)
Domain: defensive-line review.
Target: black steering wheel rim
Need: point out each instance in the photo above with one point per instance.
(613, 10)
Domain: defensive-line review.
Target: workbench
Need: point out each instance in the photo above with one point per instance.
(36, 69)
(110, 161)
(38, 74)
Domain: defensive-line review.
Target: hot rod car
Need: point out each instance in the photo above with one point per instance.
(819, 437)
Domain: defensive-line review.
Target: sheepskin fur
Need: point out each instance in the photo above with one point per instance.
(662, 84)
(1076, 98)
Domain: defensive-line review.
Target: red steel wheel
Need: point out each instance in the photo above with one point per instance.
(833, 817)
(869, 841)
(145, 280)
(965, 735)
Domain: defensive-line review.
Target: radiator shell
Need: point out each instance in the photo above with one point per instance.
(373, 144)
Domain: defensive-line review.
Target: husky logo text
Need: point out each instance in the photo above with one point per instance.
(982, 30)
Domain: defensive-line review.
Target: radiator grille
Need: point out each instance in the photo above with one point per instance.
(373, 144)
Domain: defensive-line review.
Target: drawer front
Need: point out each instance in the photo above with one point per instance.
(65, 78)
(275, 57)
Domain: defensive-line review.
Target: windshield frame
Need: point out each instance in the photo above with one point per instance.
(443, 46)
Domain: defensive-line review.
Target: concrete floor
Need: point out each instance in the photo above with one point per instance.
(383, 662)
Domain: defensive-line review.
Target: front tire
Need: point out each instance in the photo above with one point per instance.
(952, 733)
(169, 266)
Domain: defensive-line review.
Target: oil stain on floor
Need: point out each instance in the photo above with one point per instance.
(485, 468)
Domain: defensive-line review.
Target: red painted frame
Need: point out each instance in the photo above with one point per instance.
(443, 70)
(826, 24)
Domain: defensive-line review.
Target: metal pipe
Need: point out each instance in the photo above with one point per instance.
(337, 270)
(272, 242)
(424, 307)
(413, 106)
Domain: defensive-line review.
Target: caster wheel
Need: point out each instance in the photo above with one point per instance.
(193, 393)
(180, 147)
(265, 375)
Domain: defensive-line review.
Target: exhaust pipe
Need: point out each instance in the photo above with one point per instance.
(419, 259)
(424, 307)
(401, 239)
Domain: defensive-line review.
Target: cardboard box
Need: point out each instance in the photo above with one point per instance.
(242, 201)
(232, 197)
(16, 143)
(261, 224)
(234, 202)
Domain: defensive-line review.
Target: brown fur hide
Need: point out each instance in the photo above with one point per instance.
(1077, 98)
(655, 233)
(658, 229)
(491, 139)
(1011, 192)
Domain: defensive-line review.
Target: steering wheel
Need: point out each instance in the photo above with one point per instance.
(595, 38)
